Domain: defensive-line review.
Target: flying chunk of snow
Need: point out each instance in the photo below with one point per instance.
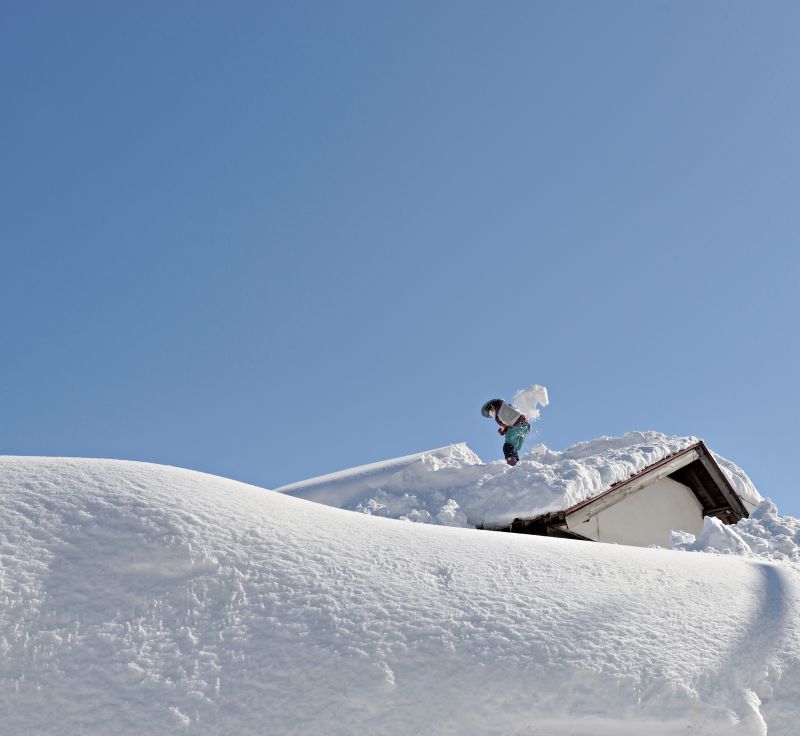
(528, 400)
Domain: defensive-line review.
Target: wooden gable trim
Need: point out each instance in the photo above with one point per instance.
(694, 466)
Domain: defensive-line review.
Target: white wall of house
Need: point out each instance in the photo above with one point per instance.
(642, 518)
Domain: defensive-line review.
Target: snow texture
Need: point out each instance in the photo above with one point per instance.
(765, 534)
(452, 486)
(143, 599)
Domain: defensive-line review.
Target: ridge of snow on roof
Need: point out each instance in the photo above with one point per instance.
(698, 448)
(335, 488)
(138, 598)
(451, 486)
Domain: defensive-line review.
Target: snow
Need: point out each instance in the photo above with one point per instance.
(452, 486)
(138, 598)
(764, 534)
(528, 400)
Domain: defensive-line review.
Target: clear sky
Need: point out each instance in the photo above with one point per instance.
(271, 240)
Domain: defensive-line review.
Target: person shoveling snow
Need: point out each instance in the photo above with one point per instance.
(514, 426)
(515, 418)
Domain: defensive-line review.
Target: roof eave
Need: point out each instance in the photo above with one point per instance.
(664, 468)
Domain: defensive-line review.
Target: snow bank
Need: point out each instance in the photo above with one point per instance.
(763, 534)
(143, 599)
(349, 488)
(452, 486)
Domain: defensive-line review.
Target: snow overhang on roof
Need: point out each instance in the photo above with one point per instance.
(694, 467)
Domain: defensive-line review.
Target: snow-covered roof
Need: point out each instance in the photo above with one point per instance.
(452, 486)
(346, 486)
(694, 467)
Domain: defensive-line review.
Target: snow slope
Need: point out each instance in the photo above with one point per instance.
(452, 486)
(765, 535)
(144, 599)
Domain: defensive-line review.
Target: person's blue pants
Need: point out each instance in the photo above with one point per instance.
(515, 436)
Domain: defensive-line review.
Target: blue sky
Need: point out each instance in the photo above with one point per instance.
(272, 240)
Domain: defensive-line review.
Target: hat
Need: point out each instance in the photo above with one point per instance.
(489, 405)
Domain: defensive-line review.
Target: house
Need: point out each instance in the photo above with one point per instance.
(675, 493)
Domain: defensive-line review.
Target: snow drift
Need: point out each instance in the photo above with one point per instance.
(144, 599)
(452, 486)
(765, 534)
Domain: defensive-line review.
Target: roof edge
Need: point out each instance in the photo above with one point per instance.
(702, 454)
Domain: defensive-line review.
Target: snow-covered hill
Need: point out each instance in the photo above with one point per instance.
(451, 485)
(144, 599)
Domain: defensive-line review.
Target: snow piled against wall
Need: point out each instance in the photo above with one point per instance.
(765, 534)
(452, 486)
